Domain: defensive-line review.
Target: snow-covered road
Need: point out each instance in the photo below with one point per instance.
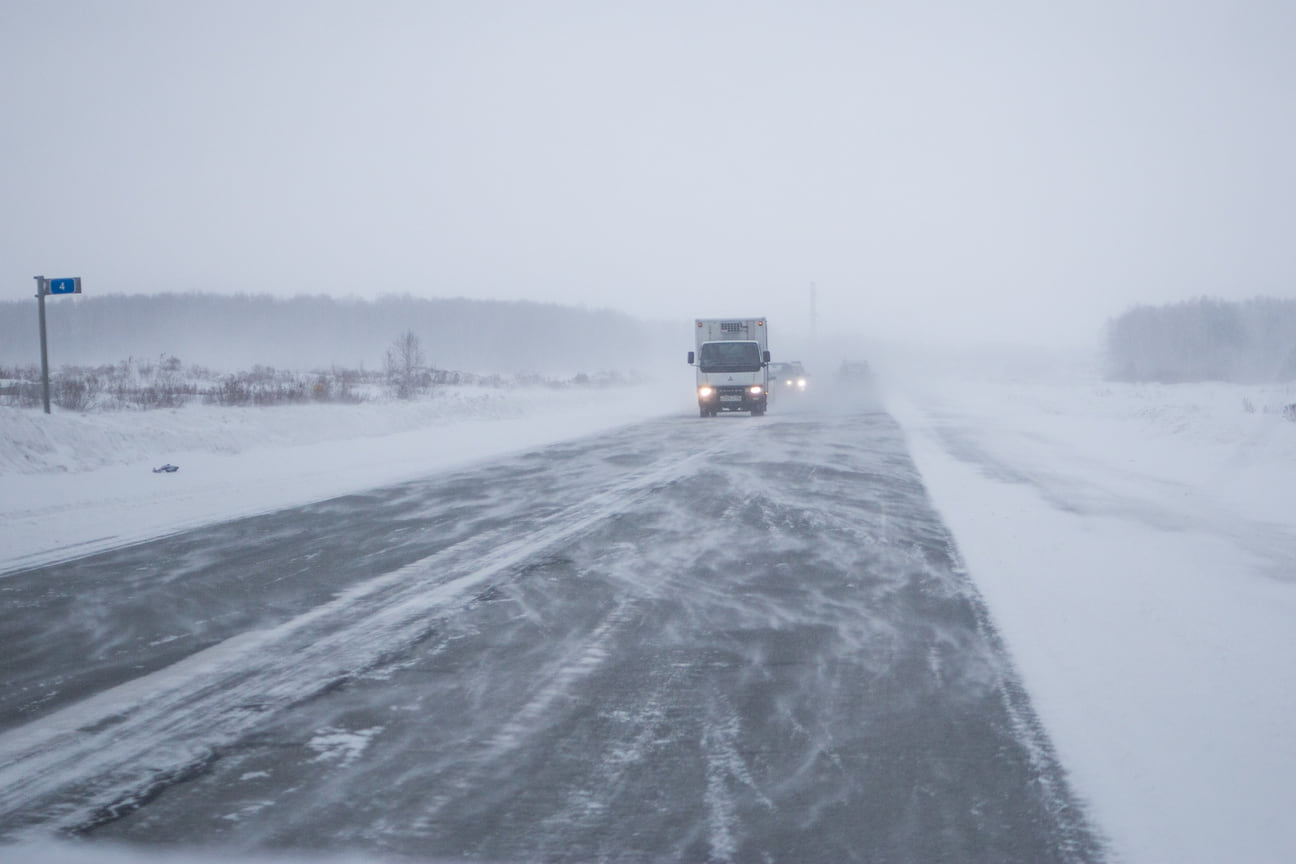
(684, 639)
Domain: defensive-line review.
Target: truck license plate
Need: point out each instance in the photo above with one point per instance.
(730, 398)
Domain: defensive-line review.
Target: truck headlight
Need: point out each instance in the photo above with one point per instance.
(705, 392)
(801, 382)
(757, 389)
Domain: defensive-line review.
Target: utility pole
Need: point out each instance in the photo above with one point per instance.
(814, 315)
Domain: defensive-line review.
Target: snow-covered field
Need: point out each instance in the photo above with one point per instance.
(1136, 545)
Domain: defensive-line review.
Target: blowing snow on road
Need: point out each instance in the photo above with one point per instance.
(727, 639)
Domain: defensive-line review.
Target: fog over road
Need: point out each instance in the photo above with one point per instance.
(726, 639)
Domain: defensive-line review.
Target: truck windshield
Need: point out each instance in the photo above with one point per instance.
(729, 357)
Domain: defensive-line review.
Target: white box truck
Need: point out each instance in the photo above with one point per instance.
(732, 359)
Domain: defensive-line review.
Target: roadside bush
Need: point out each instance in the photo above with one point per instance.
(20, 386)
(29, 395)
(145, 385)
(232, 390)
(322, 389)
(261, 386)
(406, 367)
(75, 390)
(345, 382)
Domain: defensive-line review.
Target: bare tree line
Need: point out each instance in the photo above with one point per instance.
(231, 332)
(1204, 340)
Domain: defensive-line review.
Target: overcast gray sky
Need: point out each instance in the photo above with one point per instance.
(994, 171)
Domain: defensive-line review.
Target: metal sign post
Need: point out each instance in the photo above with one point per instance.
(50, 286)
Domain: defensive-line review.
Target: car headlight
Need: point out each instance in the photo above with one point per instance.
(705, 392)
(757, 389)
(801, 382)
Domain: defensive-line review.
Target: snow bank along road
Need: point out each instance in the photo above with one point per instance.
(726, 639)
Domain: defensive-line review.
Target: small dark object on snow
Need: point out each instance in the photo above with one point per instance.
(167, 469)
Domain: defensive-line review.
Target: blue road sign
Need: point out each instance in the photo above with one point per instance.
(65, 286)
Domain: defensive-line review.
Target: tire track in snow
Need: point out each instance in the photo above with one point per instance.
(726, 769)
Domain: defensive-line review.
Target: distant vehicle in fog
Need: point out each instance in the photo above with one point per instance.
(858, 372)
(789, 377)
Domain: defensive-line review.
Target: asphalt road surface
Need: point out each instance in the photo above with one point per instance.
(729, 639)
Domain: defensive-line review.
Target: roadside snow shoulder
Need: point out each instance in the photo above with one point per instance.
(73, 484)
(1136, 546)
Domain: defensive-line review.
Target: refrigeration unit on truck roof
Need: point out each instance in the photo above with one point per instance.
(718, 329)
